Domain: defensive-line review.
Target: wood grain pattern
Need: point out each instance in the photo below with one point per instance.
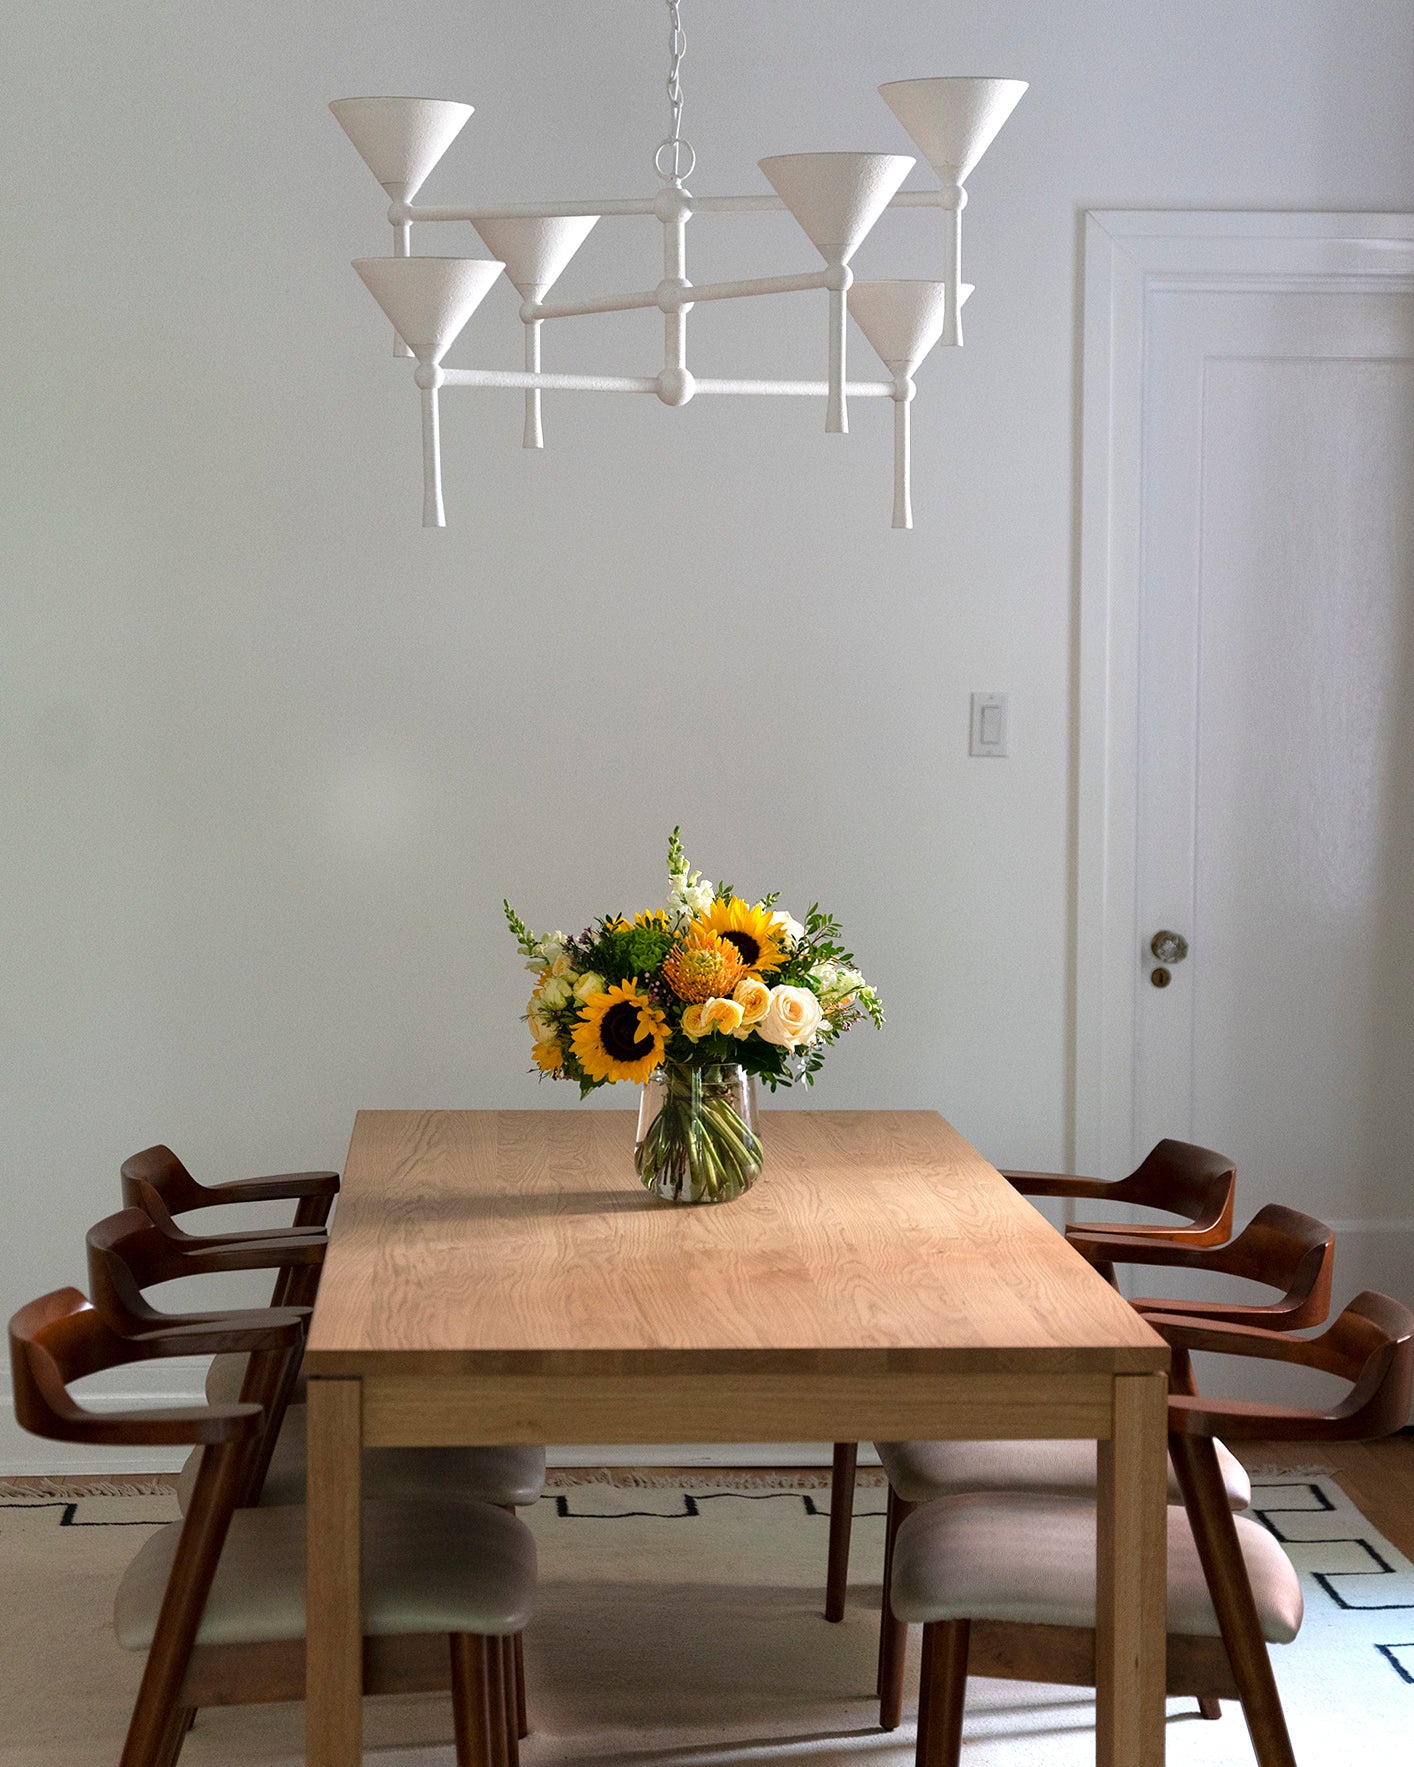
(1131, 1581)
(524, 1235)
(444, 1410)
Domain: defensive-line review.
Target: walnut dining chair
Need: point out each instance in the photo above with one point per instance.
(1280, 1249)
(1178, 1177)
(217, 1600)
(128, 1253)
(1003, 1582)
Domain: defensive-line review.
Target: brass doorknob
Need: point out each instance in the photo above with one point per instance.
(1169, 947)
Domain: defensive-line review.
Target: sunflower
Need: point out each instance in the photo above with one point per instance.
(753, 932)
(548, 1057)
(620, 1035)
(702, 966)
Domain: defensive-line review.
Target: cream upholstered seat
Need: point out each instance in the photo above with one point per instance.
(1013, 1556)
(428, 1567)
(922, 1471)
(511, 1475)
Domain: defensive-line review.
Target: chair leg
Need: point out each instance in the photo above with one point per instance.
(893, 1633)
(509, 1702)
(171, 1746)
(842, 1475)
(1209, 1708)
(1196, 1463)
(471, 1699)
(522, 1722)
(942, 1693)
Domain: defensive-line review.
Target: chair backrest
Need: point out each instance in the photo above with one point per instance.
(1186, 1180)
(1280, 1248)
(1370, 1346)
(62, 1337)
(128, 1253)
(160, 1167)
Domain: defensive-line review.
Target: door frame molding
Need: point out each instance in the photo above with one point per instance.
(1131, 254)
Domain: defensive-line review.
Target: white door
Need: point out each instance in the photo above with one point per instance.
(1271, 808)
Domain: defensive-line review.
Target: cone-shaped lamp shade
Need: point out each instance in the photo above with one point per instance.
(903, 320)
(837, 197)
(536, 251)
(429, 300)
(401, 139)
(954, 121)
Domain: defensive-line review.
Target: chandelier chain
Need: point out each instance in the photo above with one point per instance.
(675, 157)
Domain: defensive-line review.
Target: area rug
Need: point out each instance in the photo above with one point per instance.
(679, 1626)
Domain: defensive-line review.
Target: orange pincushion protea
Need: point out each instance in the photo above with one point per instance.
(703, 966)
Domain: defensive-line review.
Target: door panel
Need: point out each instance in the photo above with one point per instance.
(1275, 811)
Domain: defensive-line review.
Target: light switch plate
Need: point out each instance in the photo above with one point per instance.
(989, 725)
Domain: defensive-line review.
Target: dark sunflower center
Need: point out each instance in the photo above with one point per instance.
(618, 1032)
(749, 949)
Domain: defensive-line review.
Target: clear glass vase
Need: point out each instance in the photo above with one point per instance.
(697, 1138)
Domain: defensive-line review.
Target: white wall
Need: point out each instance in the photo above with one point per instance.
(272, 754)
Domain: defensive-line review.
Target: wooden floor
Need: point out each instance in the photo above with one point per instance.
(1378, 1477)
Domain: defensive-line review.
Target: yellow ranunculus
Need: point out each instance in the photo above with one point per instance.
(753, 997)
(721, 1015)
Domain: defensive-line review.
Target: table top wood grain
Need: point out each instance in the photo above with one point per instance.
(520, 1241)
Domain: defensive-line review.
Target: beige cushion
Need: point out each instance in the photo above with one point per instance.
(513, 1475)
(921, 1471)
(224, 1377)
(427, 1567)
(1008, 1555)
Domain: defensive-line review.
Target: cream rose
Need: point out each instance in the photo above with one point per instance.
(788, 925)
(555, 992)
(694, 1021)
(721, 1015)
(589, 983)
(793, 1017)
(753, 997)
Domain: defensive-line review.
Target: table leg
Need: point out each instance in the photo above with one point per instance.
(334, 1617)
(1131, 1577)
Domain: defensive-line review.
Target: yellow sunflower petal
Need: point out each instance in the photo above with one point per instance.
(750, 929)
(620, 1034)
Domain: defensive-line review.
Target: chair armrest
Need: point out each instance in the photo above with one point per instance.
(166, 1426)
(1125, 1245)
(251, 1329)
(1057, 1184)
(280, 1187)
(204, 1257)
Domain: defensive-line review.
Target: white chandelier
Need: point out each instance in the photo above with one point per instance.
(835, 197)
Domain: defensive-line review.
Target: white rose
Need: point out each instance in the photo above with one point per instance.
(589, 983)
(792, 1018)
(788, 925)
(555, 993)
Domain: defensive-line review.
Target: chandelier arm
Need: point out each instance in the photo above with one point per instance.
(631, 205)
(514, 380)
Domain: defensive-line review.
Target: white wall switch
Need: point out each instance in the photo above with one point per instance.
(989, 722)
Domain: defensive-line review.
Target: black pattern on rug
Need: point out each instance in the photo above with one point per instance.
(690, 1507)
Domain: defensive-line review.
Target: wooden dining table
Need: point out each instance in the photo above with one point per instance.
(499, 1276)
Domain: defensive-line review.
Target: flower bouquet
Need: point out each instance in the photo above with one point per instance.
(694, 1002)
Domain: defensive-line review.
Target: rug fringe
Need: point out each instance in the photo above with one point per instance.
(154, 1485)
(704, 1478)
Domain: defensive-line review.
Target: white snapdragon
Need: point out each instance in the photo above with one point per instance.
(545, 951)
(835, 982)
(689, 894)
